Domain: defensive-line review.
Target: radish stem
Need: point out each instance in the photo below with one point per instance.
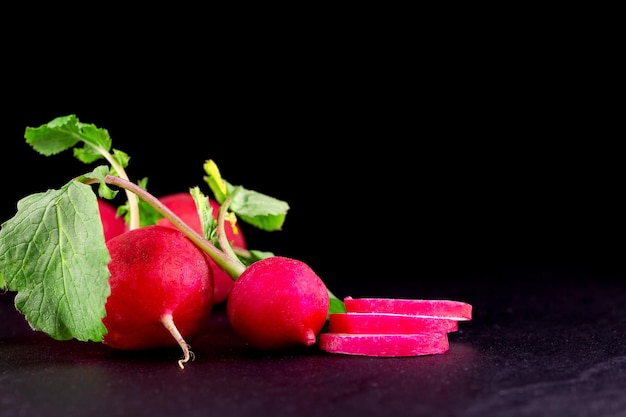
(232, 266)
(133, 204)
(221, 220)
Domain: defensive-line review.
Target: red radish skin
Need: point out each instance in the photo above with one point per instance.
(111, 223)
(456, 310)
(278, 303)
(383, 323)
(385, 345)
(183, 205)
(161, 290)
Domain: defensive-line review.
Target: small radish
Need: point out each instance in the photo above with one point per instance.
(112, 224)
(183, 205)
(161, 290)
(385, 345)
(385, 323)
(277, 303)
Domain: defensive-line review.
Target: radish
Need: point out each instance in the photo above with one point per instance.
(385, 323)
(112, 224)
(385, 345)
(161, 290)
(277, 303)
(183, 205)
(456, 310)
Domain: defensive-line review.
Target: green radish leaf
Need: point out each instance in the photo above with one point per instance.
(214, 179)
(65, 132)
(260, 210)
(54, 137)
(258, 255)
(53, 254)
(336, 306)
(251, 256)
(207, 220)
(99, 174)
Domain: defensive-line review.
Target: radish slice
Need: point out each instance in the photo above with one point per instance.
(385, 323)
(385, 345)
(456, 310)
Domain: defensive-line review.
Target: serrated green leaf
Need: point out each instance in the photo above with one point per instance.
(207, 220)
(54, 137)
(121, 158)
(53, 254)
(99, 173)
(97, 143)
(260, 210)
(65, 132)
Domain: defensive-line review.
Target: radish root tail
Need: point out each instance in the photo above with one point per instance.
(168, 322)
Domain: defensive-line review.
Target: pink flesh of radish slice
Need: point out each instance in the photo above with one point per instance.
(384, 323)
(456, 310)
(385, 345)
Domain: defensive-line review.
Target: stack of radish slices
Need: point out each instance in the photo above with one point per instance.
(393, 326)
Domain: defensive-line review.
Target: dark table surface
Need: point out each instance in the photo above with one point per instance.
(541, 343)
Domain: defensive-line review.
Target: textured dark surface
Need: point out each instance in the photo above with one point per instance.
(541, 343)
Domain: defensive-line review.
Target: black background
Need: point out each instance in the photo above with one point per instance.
(402, 160)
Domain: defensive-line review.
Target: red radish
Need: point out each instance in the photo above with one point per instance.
(385, 345)
(111, 223)
(384, 323)
(456, 310)
(161, 290)
(277, 303)
(183, 205)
